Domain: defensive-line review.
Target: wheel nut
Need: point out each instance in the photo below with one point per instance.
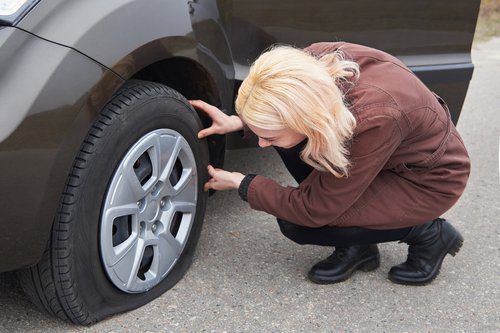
(153, 227)
(162, 202)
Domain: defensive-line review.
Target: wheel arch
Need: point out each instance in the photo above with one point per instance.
(193, 81)
(185, 75)
(195, 71)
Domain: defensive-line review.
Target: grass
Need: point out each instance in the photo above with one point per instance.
(488, 24)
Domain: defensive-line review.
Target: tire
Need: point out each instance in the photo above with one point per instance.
(76, 279)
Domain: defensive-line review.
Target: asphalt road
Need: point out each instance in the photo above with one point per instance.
(247, 277)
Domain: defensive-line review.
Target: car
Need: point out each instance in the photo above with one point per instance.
(101, 171)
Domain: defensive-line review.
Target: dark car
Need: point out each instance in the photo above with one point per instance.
(101, 171)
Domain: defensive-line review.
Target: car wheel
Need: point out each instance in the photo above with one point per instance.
(131, 212)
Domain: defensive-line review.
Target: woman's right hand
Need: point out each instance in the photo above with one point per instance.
(221, 122)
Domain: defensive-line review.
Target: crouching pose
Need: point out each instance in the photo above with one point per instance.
(374, 151)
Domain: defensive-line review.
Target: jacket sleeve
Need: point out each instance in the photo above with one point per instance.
(322, 198)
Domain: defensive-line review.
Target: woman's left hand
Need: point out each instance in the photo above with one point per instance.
(223, 180)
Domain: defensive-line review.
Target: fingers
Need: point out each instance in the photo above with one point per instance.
(212, 112)
(204, 106)
(218, 180)
(211, 171)
(209, 185)
(197, 103)
(206, 132)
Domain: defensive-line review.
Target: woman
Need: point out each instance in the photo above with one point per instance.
(374, 151)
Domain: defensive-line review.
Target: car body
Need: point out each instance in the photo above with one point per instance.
(61, 61)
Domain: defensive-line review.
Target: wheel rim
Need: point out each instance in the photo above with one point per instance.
(148, 211)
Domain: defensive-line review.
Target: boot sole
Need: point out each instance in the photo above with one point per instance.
(368, 264)
(452, 249)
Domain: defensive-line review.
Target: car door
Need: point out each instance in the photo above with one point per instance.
(432, 37)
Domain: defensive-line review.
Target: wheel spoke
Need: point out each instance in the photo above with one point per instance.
(167, 216)
(111, 213)
(186, 179)
(168, 189)
(127, 265)
(127, 189)
(169, 250)
(184, 207)
(121, 250)
(108, 217)
(170, 148)
(189, 209)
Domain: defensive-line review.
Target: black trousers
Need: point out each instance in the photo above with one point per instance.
(327, 235)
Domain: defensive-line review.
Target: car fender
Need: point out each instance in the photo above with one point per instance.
(101, 75)
(126, 36)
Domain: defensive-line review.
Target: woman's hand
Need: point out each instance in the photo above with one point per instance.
(221, 122)
(223, 180)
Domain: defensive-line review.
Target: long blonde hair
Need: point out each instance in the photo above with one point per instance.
(289, 88)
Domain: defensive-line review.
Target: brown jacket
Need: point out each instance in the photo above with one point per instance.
(408, 162)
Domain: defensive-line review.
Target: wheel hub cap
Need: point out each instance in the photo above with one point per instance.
(148, 211)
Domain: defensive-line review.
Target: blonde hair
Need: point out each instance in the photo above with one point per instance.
(290, 88)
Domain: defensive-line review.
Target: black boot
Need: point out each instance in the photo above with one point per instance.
(343, 262)
(429, 244)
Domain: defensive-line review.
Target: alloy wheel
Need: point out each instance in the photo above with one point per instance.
(148, 211)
